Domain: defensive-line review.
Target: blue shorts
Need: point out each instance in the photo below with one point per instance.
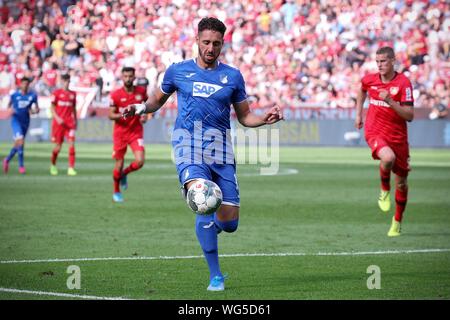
(222, 174)
(19, 129)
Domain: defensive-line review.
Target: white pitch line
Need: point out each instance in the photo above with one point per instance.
(58, 294)
(281, 254)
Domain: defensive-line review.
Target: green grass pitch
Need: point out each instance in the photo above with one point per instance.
(321, 209)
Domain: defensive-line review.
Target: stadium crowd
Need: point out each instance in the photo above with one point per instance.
(291, 52)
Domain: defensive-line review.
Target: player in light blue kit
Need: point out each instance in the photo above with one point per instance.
(206, 88)
(21, 102)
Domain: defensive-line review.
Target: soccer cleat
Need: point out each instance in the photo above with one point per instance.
(394, 231)
(71, 172)
(22, 170)
(124, 182)
(217, 283)
(384, 201)
(117, 197)
(53, 170)
(5, 166)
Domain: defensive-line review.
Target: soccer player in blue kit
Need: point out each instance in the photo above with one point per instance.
(206, 88)
(21, 102)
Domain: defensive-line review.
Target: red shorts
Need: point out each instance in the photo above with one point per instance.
(60, 131)
(401, 151)
(136, 143)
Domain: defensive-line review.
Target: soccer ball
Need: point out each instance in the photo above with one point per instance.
(204, 197)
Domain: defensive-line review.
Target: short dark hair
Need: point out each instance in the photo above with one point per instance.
(26, 79)
(128, 69)
(387, 51)
(65, 76)
(210, 23)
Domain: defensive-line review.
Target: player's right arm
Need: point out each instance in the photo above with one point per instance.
(154, 102)
(114, 114)
(10, 108)
(55, 115)
(157, 98)
(360, 99)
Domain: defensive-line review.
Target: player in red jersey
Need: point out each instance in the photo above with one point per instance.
(391, 105)
(127, 132)
(64, 124)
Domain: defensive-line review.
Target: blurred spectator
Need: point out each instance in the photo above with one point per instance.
(294, 52)
(438, 111)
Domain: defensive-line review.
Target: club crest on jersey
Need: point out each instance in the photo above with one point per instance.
(138, 97)
(203, 89)
(223, 78)
(393, 90)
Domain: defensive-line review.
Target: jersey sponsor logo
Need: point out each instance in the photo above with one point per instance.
(379, 103)
(22, 104)
(65, 104)
(123, 99)
(374, 87)
(190, 74)
(393, 90)
(203, 89)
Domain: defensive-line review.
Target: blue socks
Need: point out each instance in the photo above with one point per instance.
(207, 237)
(20, 153)
(207, 228)
(227, 226)
(12, 154)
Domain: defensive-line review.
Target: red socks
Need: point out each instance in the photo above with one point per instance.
(132, 167)
(117, 174)
(71, 156)
(385, 176)
(55, 153)
(54, 156)
(401, 197)
(116, 177)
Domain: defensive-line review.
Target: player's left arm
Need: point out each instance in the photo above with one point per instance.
(75, 118)
(10, 108)
(249, 119)
(36, 109)
(404, 109)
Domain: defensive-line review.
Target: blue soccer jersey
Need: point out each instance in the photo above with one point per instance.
(202, 135)
(21, 104)
(204, 99)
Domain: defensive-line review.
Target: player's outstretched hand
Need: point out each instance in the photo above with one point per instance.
(134, 109)
(273, 115)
